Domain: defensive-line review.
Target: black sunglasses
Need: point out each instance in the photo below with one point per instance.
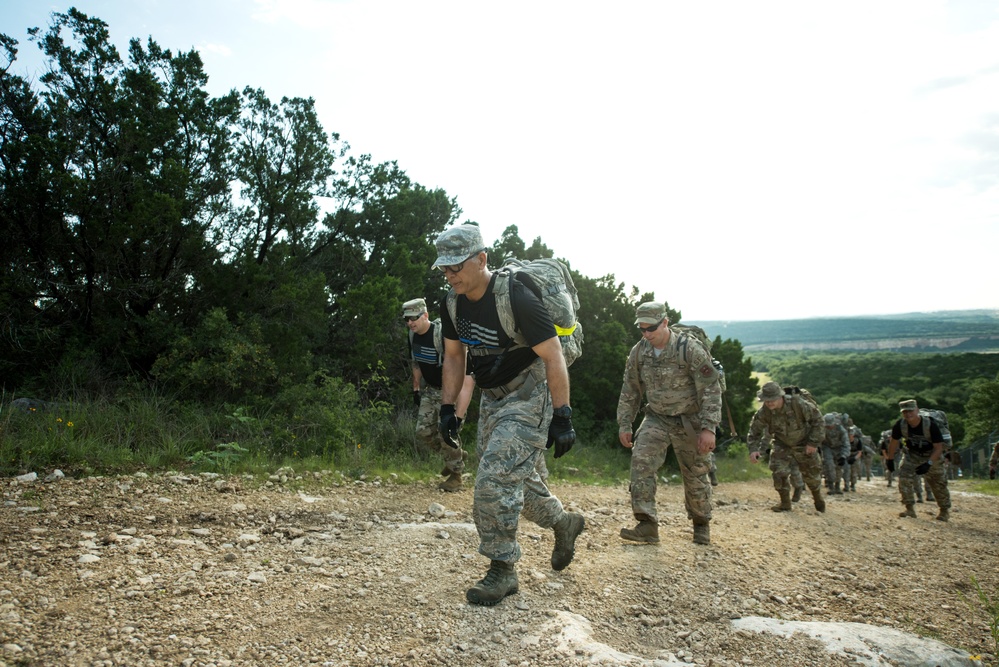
(653, 327)
(411, 318)
(455, 268)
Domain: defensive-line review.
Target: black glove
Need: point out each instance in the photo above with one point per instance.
(561, 434)
(416, 397)
(890, 464)
(841, 461)
(449, 426)
(851, 459)
(923, 468)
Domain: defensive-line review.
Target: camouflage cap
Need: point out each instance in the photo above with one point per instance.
(457, 244)
(909, 404)
(830, 419)
(414, 308)
(650, 312)
(771, 392)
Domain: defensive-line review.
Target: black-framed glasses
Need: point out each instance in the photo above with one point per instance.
(654, 327)
(412, 318)
(455, 268)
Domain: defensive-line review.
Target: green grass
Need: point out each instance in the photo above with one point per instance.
(325, 430)
(989, 487)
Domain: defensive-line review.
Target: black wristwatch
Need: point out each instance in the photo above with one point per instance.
(565, 411)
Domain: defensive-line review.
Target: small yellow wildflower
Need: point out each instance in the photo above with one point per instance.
(58, 420)
(69, 424)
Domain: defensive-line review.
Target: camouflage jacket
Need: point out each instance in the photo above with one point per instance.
(790, 427)
(837, 439)
(671, 384)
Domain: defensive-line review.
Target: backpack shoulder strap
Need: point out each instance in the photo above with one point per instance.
(799, 411)
(452, 307)
(438, 337)
(503, 293)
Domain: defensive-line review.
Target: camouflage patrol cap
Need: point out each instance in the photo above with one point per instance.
(830, 419)
(907, 405)
(457, 244)
(650, 312)
(771, 392)
(414, 308)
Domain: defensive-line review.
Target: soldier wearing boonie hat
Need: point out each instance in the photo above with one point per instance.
(524, 398)
(796, 426)
(923, 456)
(680, 385)
(426, 354)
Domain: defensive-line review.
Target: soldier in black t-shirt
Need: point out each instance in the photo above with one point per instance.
(426, 353)
(924, 446)
(524, 408)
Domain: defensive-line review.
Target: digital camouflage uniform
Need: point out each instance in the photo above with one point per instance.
(792, 429)
(683, 396)
(835, 450)
(511, 438)
(918, 449)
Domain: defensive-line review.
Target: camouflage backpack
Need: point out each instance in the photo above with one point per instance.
(684, 332)
(796, 392)
(928, 415)
(552, 283)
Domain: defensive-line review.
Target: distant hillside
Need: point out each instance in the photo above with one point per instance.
(948, 331)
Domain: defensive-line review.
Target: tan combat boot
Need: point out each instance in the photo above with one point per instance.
(820, 503)
(500, 581)
(702, 532)
(452, 483)
(566, 532)
(944, 514)
(785, 502)
(908, 513)
(645, 531)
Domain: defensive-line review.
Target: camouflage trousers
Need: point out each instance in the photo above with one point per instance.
(834, 472)
(653, 440)
(428, 433)
(784, 461)
(512, 434)
(935, 478)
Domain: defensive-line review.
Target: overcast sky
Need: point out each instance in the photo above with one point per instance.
(743, 160)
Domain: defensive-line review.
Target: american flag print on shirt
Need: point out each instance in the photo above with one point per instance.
(475, 335)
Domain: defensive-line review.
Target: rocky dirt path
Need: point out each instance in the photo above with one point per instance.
(196, 571)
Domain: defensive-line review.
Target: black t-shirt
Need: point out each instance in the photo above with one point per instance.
(479, 328)
(915, 440)
(425, 354)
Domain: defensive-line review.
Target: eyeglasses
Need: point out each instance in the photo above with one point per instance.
(411, 318)
(456, 268)
(653, 327)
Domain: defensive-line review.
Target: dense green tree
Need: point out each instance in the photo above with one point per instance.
(983, 409)
(113, 177)
(741, 386)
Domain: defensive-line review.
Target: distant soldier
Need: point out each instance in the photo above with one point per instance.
(924, 448)
(795, 424)
(867, 458)
(896, 461)
(426, 353)
(994, 461)
(855, 461)
(835, 450)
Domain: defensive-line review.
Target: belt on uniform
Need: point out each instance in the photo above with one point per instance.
(523, 383)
